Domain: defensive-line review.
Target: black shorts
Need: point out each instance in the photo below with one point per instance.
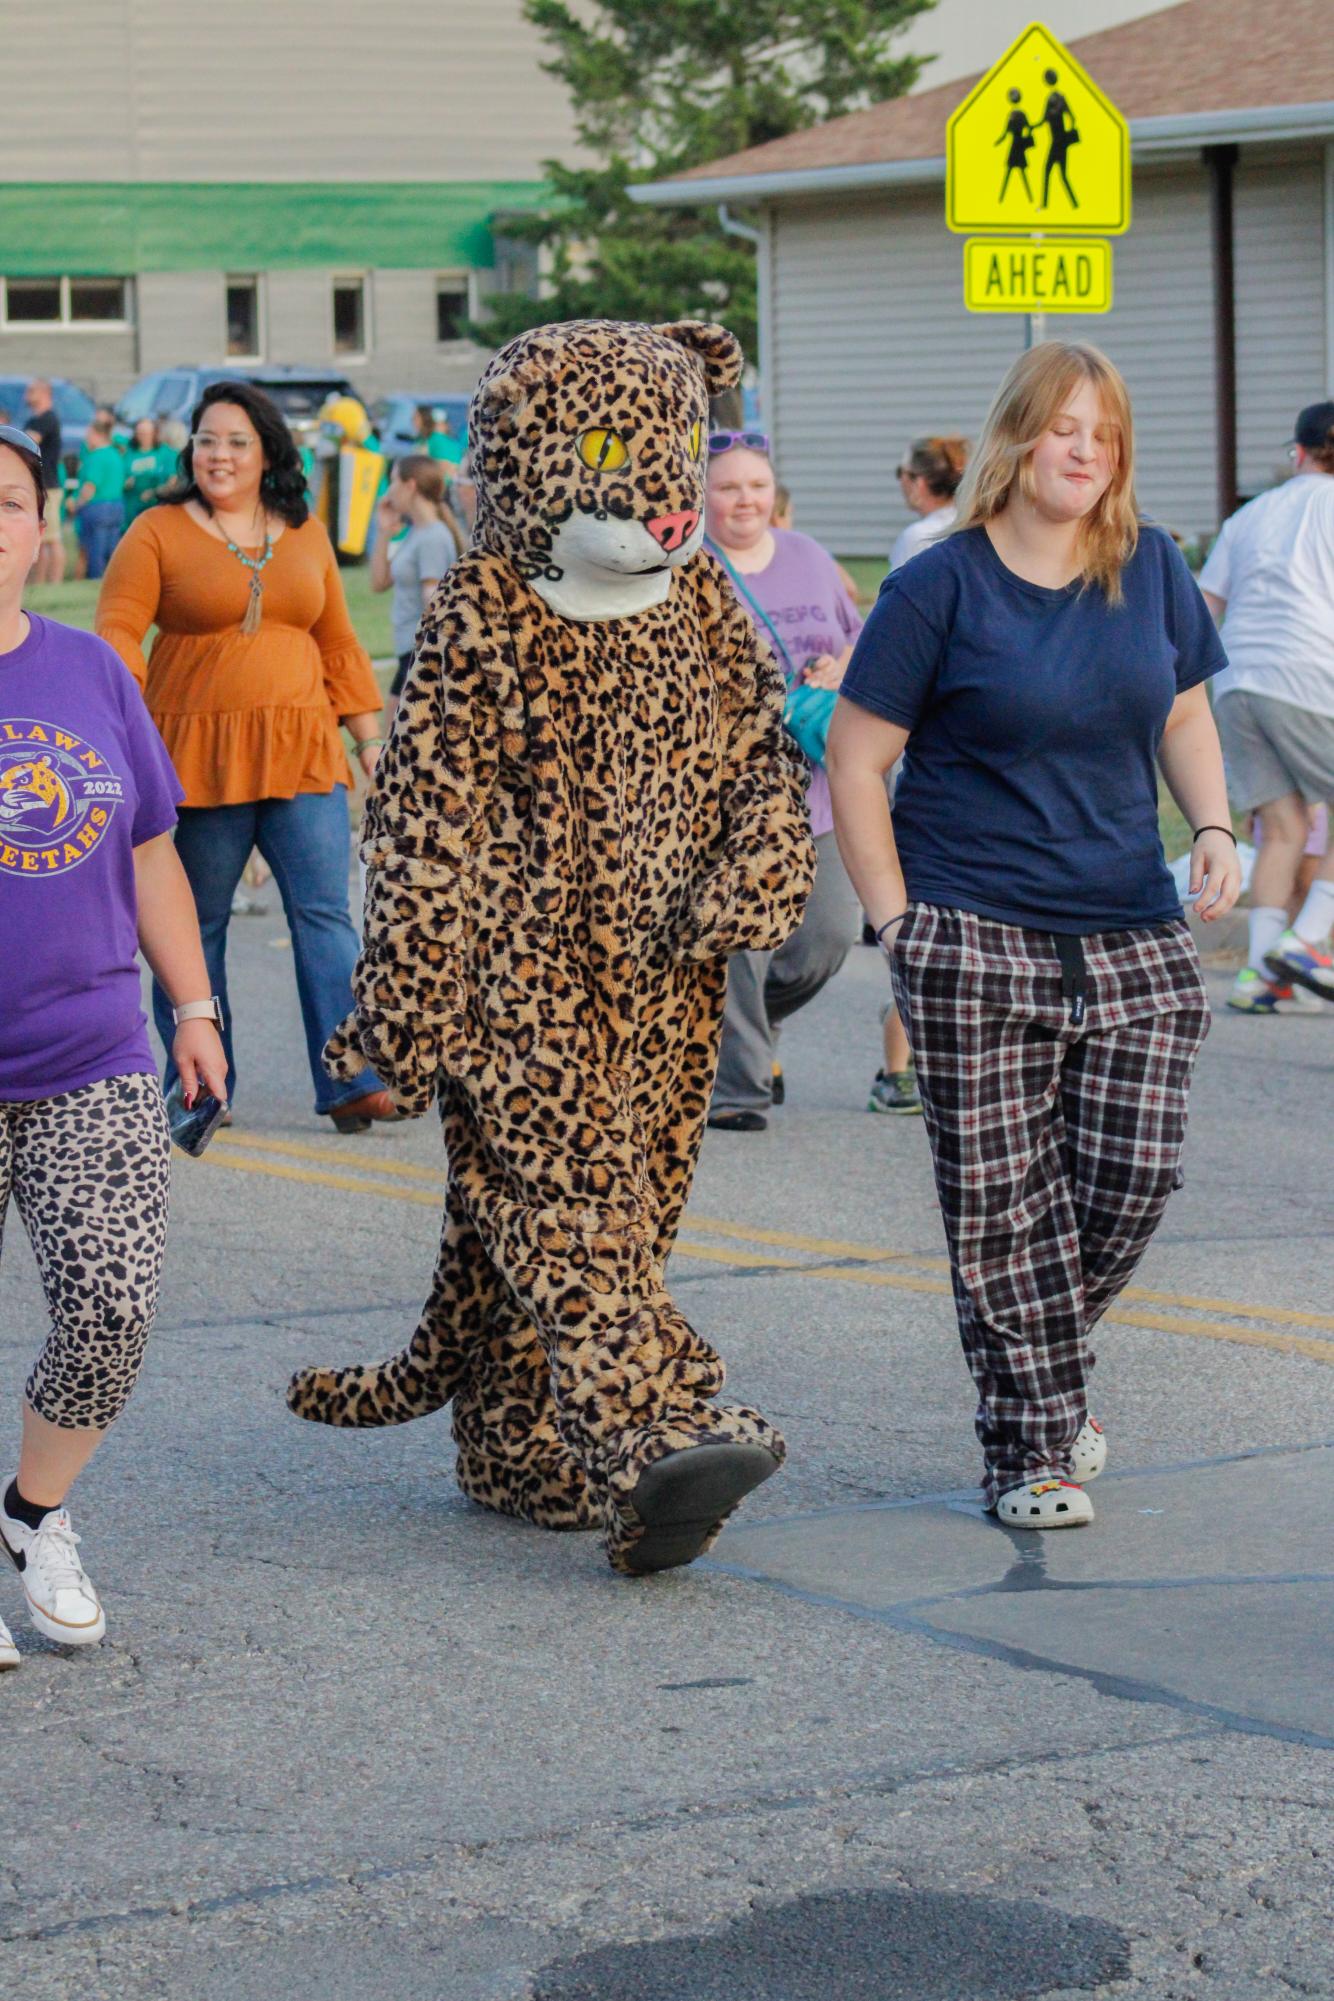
(405, 661)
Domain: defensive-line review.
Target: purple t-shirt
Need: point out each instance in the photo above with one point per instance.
(84, 781)
(804, 597)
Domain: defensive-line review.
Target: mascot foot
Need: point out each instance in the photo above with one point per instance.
(684, 1500)
(672, 1485)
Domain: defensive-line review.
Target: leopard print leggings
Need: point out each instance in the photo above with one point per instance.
(90, 1173)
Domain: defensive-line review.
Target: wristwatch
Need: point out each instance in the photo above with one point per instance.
(209, 1010)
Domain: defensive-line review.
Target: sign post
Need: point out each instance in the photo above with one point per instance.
(1037, 177)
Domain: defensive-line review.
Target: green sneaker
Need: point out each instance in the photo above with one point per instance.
(894, 1092)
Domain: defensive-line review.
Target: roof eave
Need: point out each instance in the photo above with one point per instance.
(1150, 138)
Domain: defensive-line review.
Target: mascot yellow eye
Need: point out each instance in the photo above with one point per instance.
(603, 451)
(696, 444)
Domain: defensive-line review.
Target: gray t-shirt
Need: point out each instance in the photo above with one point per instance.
(427, 550)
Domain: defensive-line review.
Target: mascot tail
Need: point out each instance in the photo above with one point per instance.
(420, 1379)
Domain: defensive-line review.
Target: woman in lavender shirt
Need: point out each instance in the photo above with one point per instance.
(792, 589)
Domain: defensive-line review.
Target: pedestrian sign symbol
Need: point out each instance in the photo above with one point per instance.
(1036, 146)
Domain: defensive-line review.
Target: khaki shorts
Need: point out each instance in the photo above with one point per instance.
(54, 510)
(1273, 748)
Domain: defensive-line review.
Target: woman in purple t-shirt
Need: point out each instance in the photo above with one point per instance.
(794, 593)
(87, 873)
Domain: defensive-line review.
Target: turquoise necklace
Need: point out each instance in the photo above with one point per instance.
(255, 565)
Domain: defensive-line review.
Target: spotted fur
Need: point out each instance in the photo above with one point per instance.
(572, 827)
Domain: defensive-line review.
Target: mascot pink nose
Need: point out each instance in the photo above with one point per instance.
(669, 531)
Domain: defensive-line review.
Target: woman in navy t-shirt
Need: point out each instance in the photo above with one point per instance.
(1040, 665)
(88, 872)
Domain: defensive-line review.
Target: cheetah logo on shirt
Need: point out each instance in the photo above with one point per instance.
(58, 797)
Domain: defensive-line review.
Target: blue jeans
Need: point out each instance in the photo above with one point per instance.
(305, 842)
(100, 525)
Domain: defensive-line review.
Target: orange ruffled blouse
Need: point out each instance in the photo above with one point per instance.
(244, 716)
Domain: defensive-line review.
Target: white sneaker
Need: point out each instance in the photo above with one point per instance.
(62, 1603)
(1088, 1454)
(9, 1653)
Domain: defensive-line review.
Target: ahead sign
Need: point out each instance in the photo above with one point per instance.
(1036, 146)
(1009, 275)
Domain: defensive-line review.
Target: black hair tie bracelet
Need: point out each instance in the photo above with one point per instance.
(880, 934)
(1213, 830)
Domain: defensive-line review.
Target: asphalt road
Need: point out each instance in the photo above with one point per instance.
(349, 1736)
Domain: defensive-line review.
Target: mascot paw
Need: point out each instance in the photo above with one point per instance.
(675, 1484)
(404, 1052)
(729, 913)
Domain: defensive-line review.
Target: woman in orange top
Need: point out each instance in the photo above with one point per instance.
(254, 666)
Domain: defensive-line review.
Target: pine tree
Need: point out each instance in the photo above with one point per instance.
(661, 85)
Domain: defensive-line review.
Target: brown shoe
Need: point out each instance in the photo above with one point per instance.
(356, 1115)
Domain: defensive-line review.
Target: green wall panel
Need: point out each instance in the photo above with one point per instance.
(123, 227)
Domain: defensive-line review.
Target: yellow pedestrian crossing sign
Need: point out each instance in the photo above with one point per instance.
(1036, 146)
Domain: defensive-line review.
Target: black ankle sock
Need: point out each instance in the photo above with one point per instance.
(30, 1513)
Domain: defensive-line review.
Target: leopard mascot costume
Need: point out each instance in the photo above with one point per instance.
(587, 803)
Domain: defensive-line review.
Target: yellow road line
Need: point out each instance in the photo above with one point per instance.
(874, 1253)
(425, 1196)
(898, 1281)
(363, 1163)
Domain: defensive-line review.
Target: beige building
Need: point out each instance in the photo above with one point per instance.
(1223, 314)
(191, 183)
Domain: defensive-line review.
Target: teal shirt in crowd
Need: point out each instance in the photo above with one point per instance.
(439, 446)
(104, 470)
(146, 473)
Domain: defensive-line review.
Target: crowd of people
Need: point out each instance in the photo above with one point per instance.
(1035, 657)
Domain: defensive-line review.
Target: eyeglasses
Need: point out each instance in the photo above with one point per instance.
(204, 441)
(726, 441)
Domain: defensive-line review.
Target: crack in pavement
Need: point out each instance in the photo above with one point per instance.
(871, 1785)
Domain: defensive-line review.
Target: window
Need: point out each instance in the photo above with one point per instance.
(66, 302)
(349, 316)
(32, 301)
(243, 334)
(96, 300)
(451, 307)
(516, 266)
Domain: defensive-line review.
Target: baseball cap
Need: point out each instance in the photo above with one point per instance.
(19, 441)
(29, 451)
(1313, 426)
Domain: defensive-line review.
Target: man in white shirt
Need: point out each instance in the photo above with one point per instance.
(1270, 578)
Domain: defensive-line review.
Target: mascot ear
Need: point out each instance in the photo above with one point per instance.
(719, 351)
(498, 400)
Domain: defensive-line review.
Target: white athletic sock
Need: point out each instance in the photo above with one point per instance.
(1267, 926)
(1315, 920)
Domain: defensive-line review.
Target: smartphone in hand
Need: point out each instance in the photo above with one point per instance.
(193, 1126)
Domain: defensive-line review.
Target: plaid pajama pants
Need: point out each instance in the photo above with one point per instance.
(1056, 1144)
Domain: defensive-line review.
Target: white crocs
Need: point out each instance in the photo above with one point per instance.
(9, 1653)
(1045, 1504)
(1088, 1454)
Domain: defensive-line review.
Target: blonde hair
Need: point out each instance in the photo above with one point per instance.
(1023, 409)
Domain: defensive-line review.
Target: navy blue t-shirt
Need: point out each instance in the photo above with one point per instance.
(1029, 787)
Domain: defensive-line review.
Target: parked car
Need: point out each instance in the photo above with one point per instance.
(73, 407)
(300, 393)
(392, 417)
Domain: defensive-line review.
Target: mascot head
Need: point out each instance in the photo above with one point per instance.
(588, 444)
